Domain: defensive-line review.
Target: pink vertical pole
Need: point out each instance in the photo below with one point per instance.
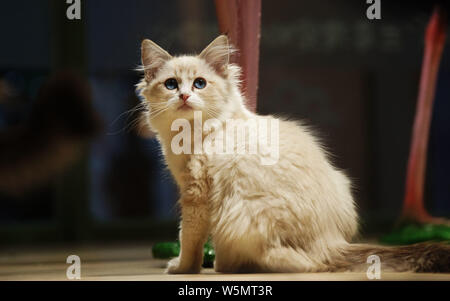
(413, 205)
(241, 21)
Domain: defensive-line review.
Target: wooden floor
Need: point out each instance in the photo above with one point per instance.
(134, 262)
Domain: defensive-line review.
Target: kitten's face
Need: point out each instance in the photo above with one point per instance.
(184, 85)
(176, 87)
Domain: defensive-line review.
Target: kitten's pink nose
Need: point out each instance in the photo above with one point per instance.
(184, 97)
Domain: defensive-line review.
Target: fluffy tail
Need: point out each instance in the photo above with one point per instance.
(421, 258)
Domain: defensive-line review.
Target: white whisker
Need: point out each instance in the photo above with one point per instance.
(129, 112)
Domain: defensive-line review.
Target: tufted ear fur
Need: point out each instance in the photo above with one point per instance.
(217, 54)
(153, 57)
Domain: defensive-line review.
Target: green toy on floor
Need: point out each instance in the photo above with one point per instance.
(166, 250)
(410, 233)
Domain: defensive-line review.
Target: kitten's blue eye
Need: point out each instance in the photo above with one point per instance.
(199, 83)
(171, 84)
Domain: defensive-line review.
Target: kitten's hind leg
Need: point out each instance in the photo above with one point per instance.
(288, 260)
(273, 260)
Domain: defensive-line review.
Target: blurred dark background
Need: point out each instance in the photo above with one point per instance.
(354, 80)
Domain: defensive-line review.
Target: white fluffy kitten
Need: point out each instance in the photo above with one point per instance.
(296, 215)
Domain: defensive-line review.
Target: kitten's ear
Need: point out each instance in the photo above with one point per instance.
(153, 57)
(217, 53)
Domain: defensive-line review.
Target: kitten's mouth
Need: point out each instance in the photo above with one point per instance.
(184, 107)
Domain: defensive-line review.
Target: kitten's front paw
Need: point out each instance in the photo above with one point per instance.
(175, 267)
